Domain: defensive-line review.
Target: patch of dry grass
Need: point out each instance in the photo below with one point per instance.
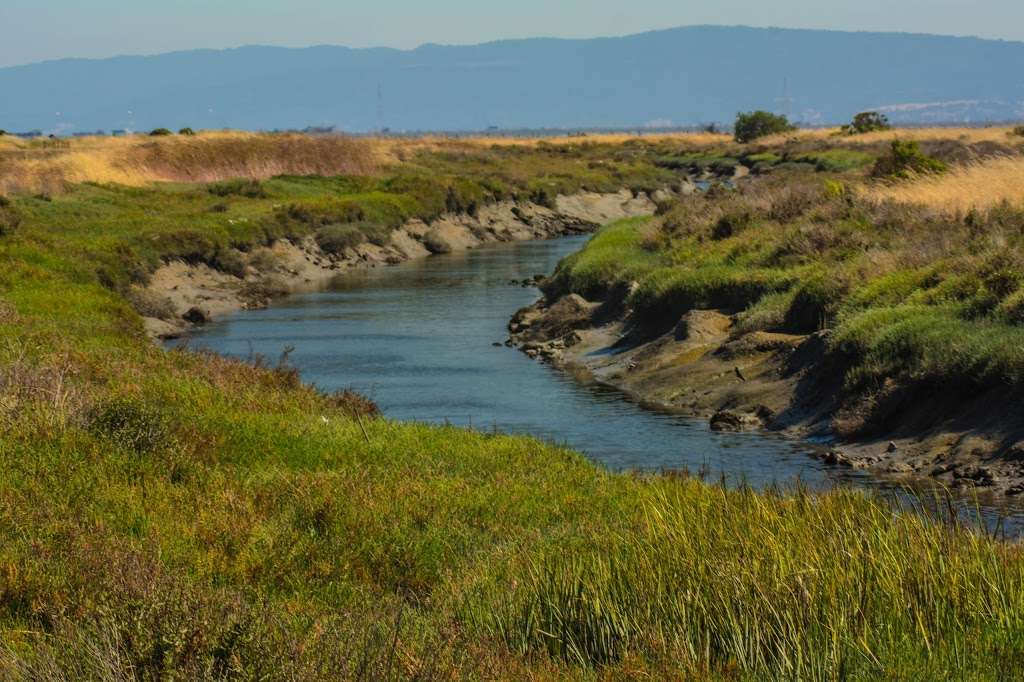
(50, 165)
(1001, 134)
(974, 186)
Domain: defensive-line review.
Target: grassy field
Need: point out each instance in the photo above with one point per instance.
(173, 515)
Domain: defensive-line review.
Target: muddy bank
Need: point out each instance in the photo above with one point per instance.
(180, 295)
(707, 368)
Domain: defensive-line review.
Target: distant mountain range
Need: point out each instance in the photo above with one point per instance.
(674, 77)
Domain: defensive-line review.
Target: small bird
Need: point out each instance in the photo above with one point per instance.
(740, 374)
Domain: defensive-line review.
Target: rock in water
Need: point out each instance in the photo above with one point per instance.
(196, 315)
(726, 421)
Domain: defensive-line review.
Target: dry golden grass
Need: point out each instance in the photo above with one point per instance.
(1000, 134)
(978, 186)
(50, 165)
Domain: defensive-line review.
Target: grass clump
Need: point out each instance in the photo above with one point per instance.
(837, 160)
(251, 189)
(131, 424)
(906, 160)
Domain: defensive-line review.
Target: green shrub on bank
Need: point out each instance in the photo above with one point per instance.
(756, 124)
(905, 160)
(187, 132)
(335, 239)
(160, 132)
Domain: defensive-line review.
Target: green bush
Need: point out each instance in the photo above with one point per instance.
(867, 122)
(160, 132)
(334, 239)
(906, 159)
(2, 132)
(732, 223)
(230, 261)
(755, 124)
(1018, 131)
(131, 424)
(187, 132)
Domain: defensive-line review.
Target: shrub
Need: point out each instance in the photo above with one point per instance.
(160, 132)
(1011, 310)
(1018, 131)
(251, 189)
(2, 132)
(230, 261)
(353, 404)
(755, 124)
(867, 122)
(334, 239)
(131, 424)
(906, 159)
(188, 132)
(732, 223)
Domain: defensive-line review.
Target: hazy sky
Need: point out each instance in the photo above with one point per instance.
(33, 30)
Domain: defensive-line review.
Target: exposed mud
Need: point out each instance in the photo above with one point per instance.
(189, 294)
(706, 368)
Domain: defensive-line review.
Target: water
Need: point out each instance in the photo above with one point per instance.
(418, 339)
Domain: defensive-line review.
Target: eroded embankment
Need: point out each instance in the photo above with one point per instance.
(198, 292)
(707, 367)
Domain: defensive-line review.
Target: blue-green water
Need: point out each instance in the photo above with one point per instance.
(418, 339)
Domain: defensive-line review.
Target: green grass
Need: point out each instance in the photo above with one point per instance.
(790, 254)
(175, 515)
(837, 160)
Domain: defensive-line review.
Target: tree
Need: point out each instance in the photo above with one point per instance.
(867, 122)
(755, 124)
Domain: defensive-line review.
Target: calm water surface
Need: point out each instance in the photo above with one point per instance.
(418, 338)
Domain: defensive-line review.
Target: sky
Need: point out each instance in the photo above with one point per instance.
(36, 30)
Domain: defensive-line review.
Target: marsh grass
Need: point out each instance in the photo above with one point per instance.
(179, 515)
(977, 186)
(909, 293)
